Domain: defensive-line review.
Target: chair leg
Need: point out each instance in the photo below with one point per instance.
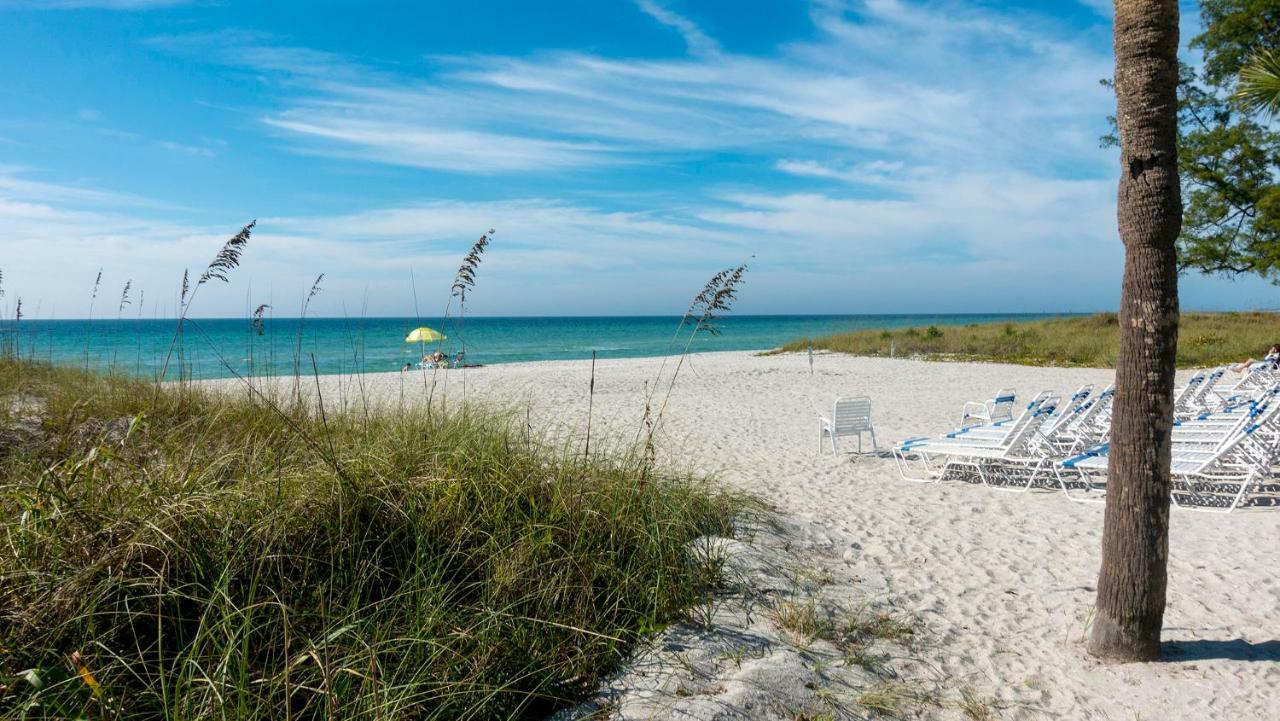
(874, 447)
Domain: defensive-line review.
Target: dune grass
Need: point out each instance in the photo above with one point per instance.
(1204, 339)
(174, 554)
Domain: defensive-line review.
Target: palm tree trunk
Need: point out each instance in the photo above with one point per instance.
(1135, 536)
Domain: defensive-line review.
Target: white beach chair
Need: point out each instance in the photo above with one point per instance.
(1015, 464)
(850, 417)
(1215, 461)
(1058, 431)
(999, 454)
(1182, 395)
(1202, 398)
(999, 408)
(1086, 425)
(1259, 379)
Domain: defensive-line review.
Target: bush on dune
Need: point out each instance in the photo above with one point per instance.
(1204, 339)
(176, 554)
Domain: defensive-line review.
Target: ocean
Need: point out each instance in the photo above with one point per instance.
(225, 347)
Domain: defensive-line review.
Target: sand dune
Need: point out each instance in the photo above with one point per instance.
(1003, 581)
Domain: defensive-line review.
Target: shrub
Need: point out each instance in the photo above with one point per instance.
(178, 554)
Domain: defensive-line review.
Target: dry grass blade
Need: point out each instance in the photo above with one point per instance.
(315, 288)
(466, 278)
(722, 298)
(229, 257)
(259, 326)
(124, 295)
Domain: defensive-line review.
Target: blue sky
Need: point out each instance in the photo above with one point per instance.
(866, 156)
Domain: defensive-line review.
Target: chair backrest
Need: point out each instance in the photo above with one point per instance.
(1183, 394)
(1201, 394)
(1002, 404)
(1068, 411)
(1010, 428)
(1085, 418)
(1243, 445)
(852, 414)
(1027, 427)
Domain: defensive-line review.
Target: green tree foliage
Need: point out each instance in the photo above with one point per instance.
(1258, 89)
(1229, 156)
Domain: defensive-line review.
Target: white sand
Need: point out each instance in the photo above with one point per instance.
(1004, 581)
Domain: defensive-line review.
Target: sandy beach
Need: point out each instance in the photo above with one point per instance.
(1003, 582)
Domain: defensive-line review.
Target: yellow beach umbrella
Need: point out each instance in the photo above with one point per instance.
(424, 335)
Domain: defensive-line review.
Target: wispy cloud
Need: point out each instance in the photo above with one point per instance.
(904, 156)
(698, 42)
(99, 4)
(400, 143)
(849, 90)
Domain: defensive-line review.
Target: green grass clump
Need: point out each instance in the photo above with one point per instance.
(1204, 339)
(173, 554)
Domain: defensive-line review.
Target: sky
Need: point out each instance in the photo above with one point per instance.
(862, 156)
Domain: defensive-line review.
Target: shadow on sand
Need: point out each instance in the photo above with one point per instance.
(1234, 650)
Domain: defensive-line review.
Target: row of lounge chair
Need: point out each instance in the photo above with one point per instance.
(1225, 443)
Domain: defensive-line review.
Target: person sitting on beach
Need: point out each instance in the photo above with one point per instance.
(1272, 359)
(407, 367)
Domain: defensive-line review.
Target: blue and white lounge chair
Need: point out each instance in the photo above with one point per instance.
(999, 408)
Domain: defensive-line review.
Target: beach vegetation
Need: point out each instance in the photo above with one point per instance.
(1205, 339)
(1228, 150)
(172, 551)
(176, 553)
(895, 699)
(976, 707)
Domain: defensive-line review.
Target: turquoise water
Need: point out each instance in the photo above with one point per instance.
(214, 348)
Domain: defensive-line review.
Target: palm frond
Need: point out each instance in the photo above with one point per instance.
(1258, 87)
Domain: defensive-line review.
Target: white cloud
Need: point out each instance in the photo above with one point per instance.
(82, 4)
(939, 83)
(458, 150)
(908, 157)
(698, 42)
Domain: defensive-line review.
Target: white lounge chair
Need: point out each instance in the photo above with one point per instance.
(999, 408)
(850, 417)
(996, 451)
(1215, 461)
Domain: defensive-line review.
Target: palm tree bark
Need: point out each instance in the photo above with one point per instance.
(1135, 536)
